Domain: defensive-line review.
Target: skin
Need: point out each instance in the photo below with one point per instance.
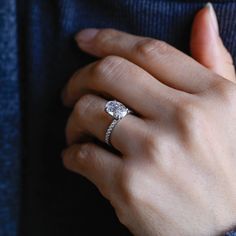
(175, 174)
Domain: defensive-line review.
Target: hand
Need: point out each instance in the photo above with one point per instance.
(176, 171)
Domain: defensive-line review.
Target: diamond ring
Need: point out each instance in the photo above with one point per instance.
(118, 111)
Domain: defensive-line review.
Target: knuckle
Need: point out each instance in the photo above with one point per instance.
(83, 105)
(86, 150)
(147, 47)
(82, 154)
(187, 109)
(103, 69)
(127, 187)
(190, 116)
(79, 158)
(107, 65)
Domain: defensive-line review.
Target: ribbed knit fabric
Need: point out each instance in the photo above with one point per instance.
(9, 120)
(231, 233)
(56, 202)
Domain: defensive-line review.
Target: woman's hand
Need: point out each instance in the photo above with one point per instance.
(176, 171)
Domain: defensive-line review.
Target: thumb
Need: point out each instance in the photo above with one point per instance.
(207, 46)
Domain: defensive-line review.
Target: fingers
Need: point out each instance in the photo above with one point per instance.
(89, 118)
(161, 60)
(94, 163)
(207, 46)
(117, 78)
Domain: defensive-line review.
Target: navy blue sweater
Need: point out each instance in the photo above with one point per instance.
(38, 197)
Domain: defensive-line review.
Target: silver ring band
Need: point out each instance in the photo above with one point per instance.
(109, 131)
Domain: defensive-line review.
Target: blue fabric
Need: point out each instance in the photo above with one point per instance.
(10, 115)
(54, 201)
(231, 233)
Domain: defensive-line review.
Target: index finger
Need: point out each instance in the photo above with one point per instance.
(164, 62)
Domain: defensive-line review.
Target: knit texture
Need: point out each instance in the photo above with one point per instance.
(231, 233)
(54, 201)
(9, 120)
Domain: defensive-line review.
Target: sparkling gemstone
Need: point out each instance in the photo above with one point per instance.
(116, 109)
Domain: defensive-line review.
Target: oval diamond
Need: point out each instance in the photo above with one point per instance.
(116, 109)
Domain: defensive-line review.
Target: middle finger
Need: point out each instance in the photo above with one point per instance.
(116, 77)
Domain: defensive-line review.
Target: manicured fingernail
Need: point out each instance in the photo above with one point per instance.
(214, 20)
(85, 36)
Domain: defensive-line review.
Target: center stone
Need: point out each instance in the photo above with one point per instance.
(116, 109)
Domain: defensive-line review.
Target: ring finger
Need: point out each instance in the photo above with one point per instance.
(89, 118)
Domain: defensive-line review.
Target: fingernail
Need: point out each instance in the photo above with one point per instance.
(213, 17)
(85, 36)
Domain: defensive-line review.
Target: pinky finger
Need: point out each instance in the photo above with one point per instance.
(94, 163)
